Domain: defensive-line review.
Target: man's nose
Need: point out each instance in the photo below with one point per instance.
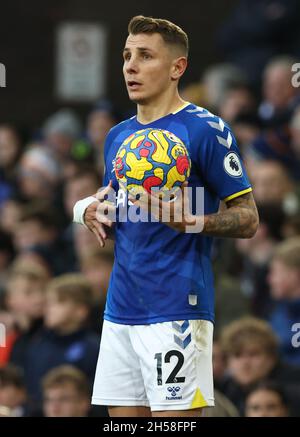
(131, 65)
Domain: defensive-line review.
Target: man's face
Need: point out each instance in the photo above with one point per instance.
(31, 233)
(277, 86)
(283, 280)
(8, 146)
(147, 67)
(270, 182)
(99, 124)
(77, 189)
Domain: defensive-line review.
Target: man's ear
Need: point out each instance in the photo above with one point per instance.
(178, 67)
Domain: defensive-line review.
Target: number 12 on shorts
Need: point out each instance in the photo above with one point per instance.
(172, 378)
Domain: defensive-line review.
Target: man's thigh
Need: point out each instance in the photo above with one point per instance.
(176, 364)
(118, 380)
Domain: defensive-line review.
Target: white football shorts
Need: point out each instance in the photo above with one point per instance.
(164, 366)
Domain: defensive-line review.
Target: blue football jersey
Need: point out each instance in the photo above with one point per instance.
(160, 274)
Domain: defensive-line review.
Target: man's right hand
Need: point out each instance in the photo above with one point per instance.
(95, 216)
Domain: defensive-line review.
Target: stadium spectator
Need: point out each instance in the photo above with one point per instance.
(25, 299)
(295, 132)
(266, 400)
(65, 339)
(60, 130)
(66, 393)
(84, 241)
(271, 182)
(247, 127)
(96, 265)
(284, 278)
(38, 231)
(7, 253)
(100, 120)
(223, 407)
(10, 149)
(255, 255)
(84, 181)
(237, 100)
(217, 81)
(219, 362)
(280, 97)
(252, 351)
(10, 214)
(13, 395)
(38, 174)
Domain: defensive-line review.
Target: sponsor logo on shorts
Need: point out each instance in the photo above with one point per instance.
(173, 392)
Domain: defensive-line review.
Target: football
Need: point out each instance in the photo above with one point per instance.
(152, 159)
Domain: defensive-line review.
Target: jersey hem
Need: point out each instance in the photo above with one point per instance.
(160, 319)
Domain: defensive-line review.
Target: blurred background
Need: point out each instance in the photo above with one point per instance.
(64, 91)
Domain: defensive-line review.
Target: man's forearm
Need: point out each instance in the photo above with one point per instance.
(239, 220)
(235, 224)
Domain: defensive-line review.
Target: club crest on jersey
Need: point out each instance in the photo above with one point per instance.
(232, 165)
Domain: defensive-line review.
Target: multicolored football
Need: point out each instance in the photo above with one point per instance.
(152, 159)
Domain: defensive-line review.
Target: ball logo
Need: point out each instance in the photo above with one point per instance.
(232, 165)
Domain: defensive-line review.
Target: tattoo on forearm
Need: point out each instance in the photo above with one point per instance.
(239, 220)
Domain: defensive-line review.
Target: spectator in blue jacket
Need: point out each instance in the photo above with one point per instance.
(65, 339)
(284, 278)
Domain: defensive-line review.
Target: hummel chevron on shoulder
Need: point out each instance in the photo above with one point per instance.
(218, 124)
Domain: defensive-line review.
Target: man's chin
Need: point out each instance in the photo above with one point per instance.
(139, 100)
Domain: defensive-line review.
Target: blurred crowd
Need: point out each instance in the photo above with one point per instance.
(54, 275)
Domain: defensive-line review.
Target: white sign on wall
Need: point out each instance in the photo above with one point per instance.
(80, 61)
(2, 76)
(2, 335)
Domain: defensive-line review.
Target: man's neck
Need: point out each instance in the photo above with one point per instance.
(146, 113)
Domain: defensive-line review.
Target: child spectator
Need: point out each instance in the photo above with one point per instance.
(12, 391)
(66, 393)
(251, 348)
(284, 278)
(38, 231)
(24, 301)
(65, 340)
(266, 400)
(96, 265)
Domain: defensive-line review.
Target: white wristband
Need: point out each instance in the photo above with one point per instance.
(80, 207)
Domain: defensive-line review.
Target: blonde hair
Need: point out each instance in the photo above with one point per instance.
(73, 287)
(248, 330)
(288, 252)
(67, 374)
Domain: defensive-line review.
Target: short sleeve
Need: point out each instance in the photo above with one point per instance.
(220, 160)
